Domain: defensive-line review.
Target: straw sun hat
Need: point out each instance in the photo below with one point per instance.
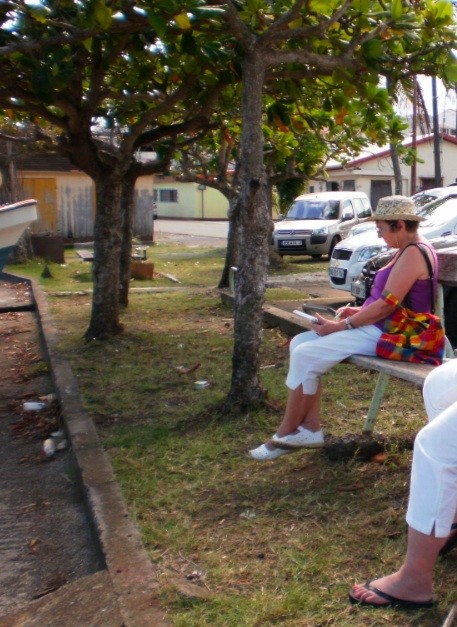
(395, 208)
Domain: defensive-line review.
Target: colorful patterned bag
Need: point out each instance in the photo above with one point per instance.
(411, 336)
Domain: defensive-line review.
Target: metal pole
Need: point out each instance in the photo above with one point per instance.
(436, 135)
(414, 141)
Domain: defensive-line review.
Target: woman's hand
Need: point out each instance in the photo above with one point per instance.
(325, 327)
(345, 312)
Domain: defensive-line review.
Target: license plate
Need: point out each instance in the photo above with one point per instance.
(290, 242)
(338, 273)
(358, 289)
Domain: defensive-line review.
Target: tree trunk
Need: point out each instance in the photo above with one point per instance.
(255, 229)
(233, 239)
(104, 320)
(397, 170)
(10, 190)
(127, 205)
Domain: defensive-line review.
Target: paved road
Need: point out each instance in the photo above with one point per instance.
(199, 228)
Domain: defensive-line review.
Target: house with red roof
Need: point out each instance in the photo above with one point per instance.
(372, 171)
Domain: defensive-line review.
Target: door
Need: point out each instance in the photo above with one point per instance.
(379, 189)
(45, 192)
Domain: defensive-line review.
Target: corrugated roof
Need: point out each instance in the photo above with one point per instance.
(375, 152)
(49, 162)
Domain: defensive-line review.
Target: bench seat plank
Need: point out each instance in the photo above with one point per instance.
(413, 373)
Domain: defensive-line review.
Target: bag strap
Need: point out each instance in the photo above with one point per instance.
(430, 273)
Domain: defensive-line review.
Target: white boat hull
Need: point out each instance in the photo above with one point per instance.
(14, 219)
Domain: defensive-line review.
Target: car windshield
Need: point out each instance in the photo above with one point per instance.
(423, 199)
(439, 212)
(314, 210)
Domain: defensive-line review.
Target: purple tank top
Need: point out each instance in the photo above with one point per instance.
(419, 294)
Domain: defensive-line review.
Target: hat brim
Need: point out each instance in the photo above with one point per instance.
(399, 216)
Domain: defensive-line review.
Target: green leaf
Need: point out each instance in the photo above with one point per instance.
(158, 23)
(188, 45)
(39, 13)
(442, 9)
(102, 14)
(373, 49)
(182, 20)
(87, 43)
(450, 71)
(396, 9)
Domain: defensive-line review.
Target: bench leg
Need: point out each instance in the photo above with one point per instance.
(378, 393)
(232, 275)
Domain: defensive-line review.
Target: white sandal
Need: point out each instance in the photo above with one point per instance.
(303, 439)
(263, 454)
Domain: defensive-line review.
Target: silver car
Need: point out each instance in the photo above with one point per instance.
(317, 222)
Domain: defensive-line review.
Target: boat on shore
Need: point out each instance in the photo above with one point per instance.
(14, 219)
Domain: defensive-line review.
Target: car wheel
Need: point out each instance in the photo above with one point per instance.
(316, 256)
(333, 243)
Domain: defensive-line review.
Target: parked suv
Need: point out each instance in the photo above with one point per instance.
(317, 222)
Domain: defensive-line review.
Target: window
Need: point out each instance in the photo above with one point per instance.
(347, 210)
(429, 183)
(165, 195)
(362, 207)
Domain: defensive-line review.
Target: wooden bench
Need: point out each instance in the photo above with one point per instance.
(85, 254)
(139, 253)
(291, 324)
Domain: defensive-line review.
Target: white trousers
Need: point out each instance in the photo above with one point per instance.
(433, 491)
(311, 355)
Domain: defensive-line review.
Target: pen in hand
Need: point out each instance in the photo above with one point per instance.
(338, 315)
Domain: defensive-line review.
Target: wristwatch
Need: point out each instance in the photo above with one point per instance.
(348, 323)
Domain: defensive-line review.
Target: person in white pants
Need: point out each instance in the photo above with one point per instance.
(432, 507)
(356, 330)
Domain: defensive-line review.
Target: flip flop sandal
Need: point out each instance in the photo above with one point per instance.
(391, 600)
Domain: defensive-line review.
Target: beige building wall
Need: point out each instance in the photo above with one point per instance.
(188, 200)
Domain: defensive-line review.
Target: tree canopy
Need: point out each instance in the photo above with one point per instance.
(69, 68)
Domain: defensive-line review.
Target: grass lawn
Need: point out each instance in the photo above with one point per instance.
(273, 544)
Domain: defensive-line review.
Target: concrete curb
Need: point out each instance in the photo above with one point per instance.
(134, 577)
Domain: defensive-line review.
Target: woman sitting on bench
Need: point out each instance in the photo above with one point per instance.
(357, 330)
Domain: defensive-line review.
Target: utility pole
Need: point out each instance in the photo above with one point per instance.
(436, 135)
(413, 189)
